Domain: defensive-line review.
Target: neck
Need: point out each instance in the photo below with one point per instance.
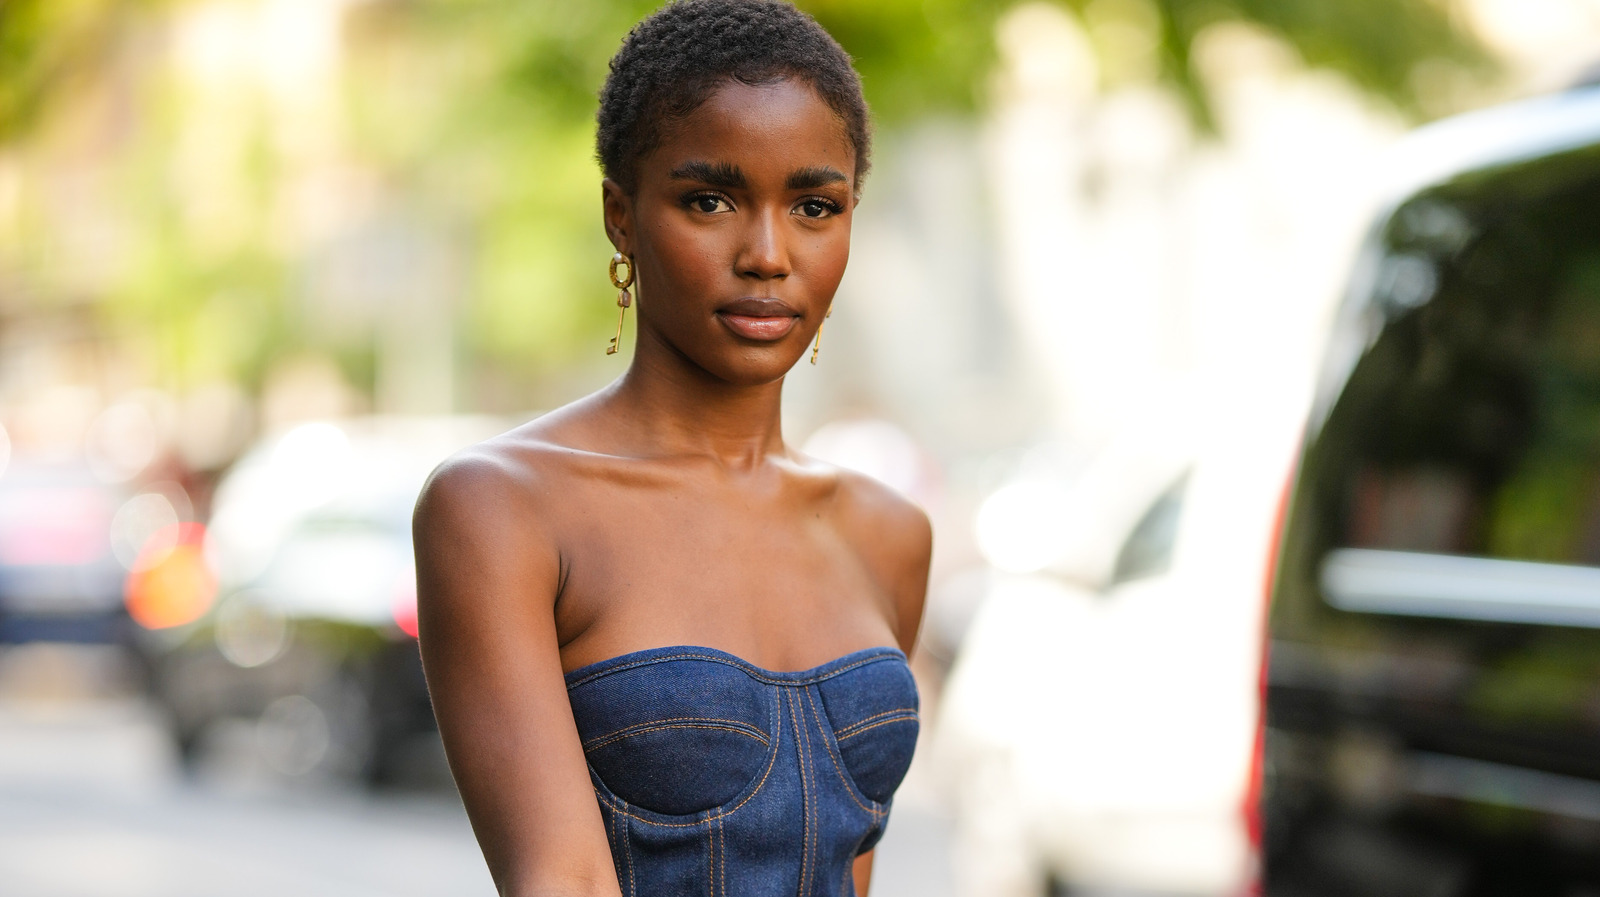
(674, 407)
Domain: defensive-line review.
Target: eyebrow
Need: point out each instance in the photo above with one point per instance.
(717, 174)
(814, 176)
(729, 176)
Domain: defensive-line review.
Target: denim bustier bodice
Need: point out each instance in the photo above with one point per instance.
(717, 777)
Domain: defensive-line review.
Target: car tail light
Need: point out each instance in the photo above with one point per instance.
(171, 584)
(1253, 786)
(404, 606)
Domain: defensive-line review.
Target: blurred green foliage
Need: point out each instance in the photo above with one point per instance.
(476, 117)
(42, 43)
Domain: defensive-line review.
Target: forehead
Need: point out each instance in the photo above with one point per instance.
(772, 129)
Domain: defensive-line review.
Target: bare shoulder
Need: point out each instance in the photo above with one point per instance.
(894, 539)
(510, 478)
(879, 516)
(488, 519)
(481, 486)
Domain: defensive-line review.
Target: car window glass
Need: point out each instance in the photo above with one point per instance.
(1472, 426)
(1148, 549)
(1459, 473)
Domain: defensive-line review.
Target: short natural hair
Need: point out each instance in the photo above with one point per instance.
(673, 61)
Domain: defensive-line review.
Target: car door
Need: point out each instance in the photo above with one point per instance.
(1434, 687)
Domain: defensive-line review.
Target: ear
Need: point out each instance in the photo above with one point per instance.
(617, 207)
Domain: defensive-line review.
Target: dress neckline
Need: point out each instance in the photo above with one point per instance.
(632, 659)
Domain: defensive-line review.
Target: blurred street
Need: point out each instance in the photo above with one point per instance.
(264, 264)
(93, 803)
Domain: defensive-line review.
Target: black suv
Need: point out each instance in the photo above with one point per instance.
(1433, 684)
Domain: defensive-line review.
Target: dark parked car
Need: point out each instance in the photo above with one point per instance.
(1433, 688)
(312, 642)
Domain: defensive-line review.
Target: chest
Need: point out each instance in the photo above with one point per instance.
(703, 562)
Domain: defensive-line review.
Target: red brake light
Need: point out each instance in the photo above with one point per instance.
(1253, 786)
(404, 607)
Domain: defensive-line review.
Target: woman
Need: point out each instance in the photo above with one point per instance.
(666, 651)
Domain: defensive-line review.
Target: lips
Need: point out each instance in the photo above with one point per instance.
(764, 320)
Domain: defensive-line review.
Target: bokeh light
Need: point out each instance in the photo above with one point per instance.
(144, 523)
(170, 583)
(294, 734)
(250, 632)
(123, 440)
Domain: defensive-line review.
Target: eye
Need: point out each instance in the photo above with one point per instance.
(818, 208)
(709, 203)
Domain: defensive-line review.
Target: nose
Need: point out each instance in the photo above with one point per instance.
(764, 254)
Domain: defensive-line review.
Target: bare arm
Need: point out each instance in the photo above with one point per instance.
(487, 578)
(896, 543)
(862, 873)
(899, 542)
(914, 549)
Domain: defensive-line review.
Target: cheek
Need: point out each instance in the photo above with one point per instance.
(689, 260)
(826, 257)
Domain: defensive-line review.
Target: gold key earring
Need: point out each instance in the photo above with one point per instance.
(818, 346)
(624, 299)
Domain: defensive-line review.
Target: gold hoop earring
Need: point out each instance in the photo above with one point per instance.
(624, 299)
(818, 346)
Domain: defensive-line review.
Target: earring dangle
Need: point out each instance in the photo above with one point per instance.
(817, 347)
(624, 298)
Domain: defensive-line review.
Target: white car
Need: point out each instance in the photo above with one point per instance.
(1099, 720)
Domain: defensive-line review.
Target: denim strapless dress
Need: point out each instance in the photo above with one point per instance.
(716, 777)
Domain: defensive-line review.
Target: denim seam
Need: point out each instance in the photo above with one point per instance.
(611, 839)
(876, 715)
(840, 732)
(631, 731)
(811, 777)
(749, 670)
(627, 852)
(800, 763)
(849, 787)
(721, 886)
(618, 843)
(806, 793)
(711, 859)
(772, 762)
(910, 718)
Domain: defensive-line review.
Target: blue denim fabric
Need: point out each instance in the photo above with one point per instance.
(716, 777)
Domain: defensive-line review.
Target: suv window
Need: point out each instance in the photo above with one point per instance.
(1471, 426)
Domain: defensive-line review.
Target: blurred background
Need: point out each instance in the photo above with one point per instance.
(263, 263)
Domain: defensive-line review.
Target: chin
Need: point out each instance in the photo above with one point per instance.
(753, 366)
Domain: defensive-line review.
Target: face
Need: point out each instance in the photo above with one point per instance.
(740, 226)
